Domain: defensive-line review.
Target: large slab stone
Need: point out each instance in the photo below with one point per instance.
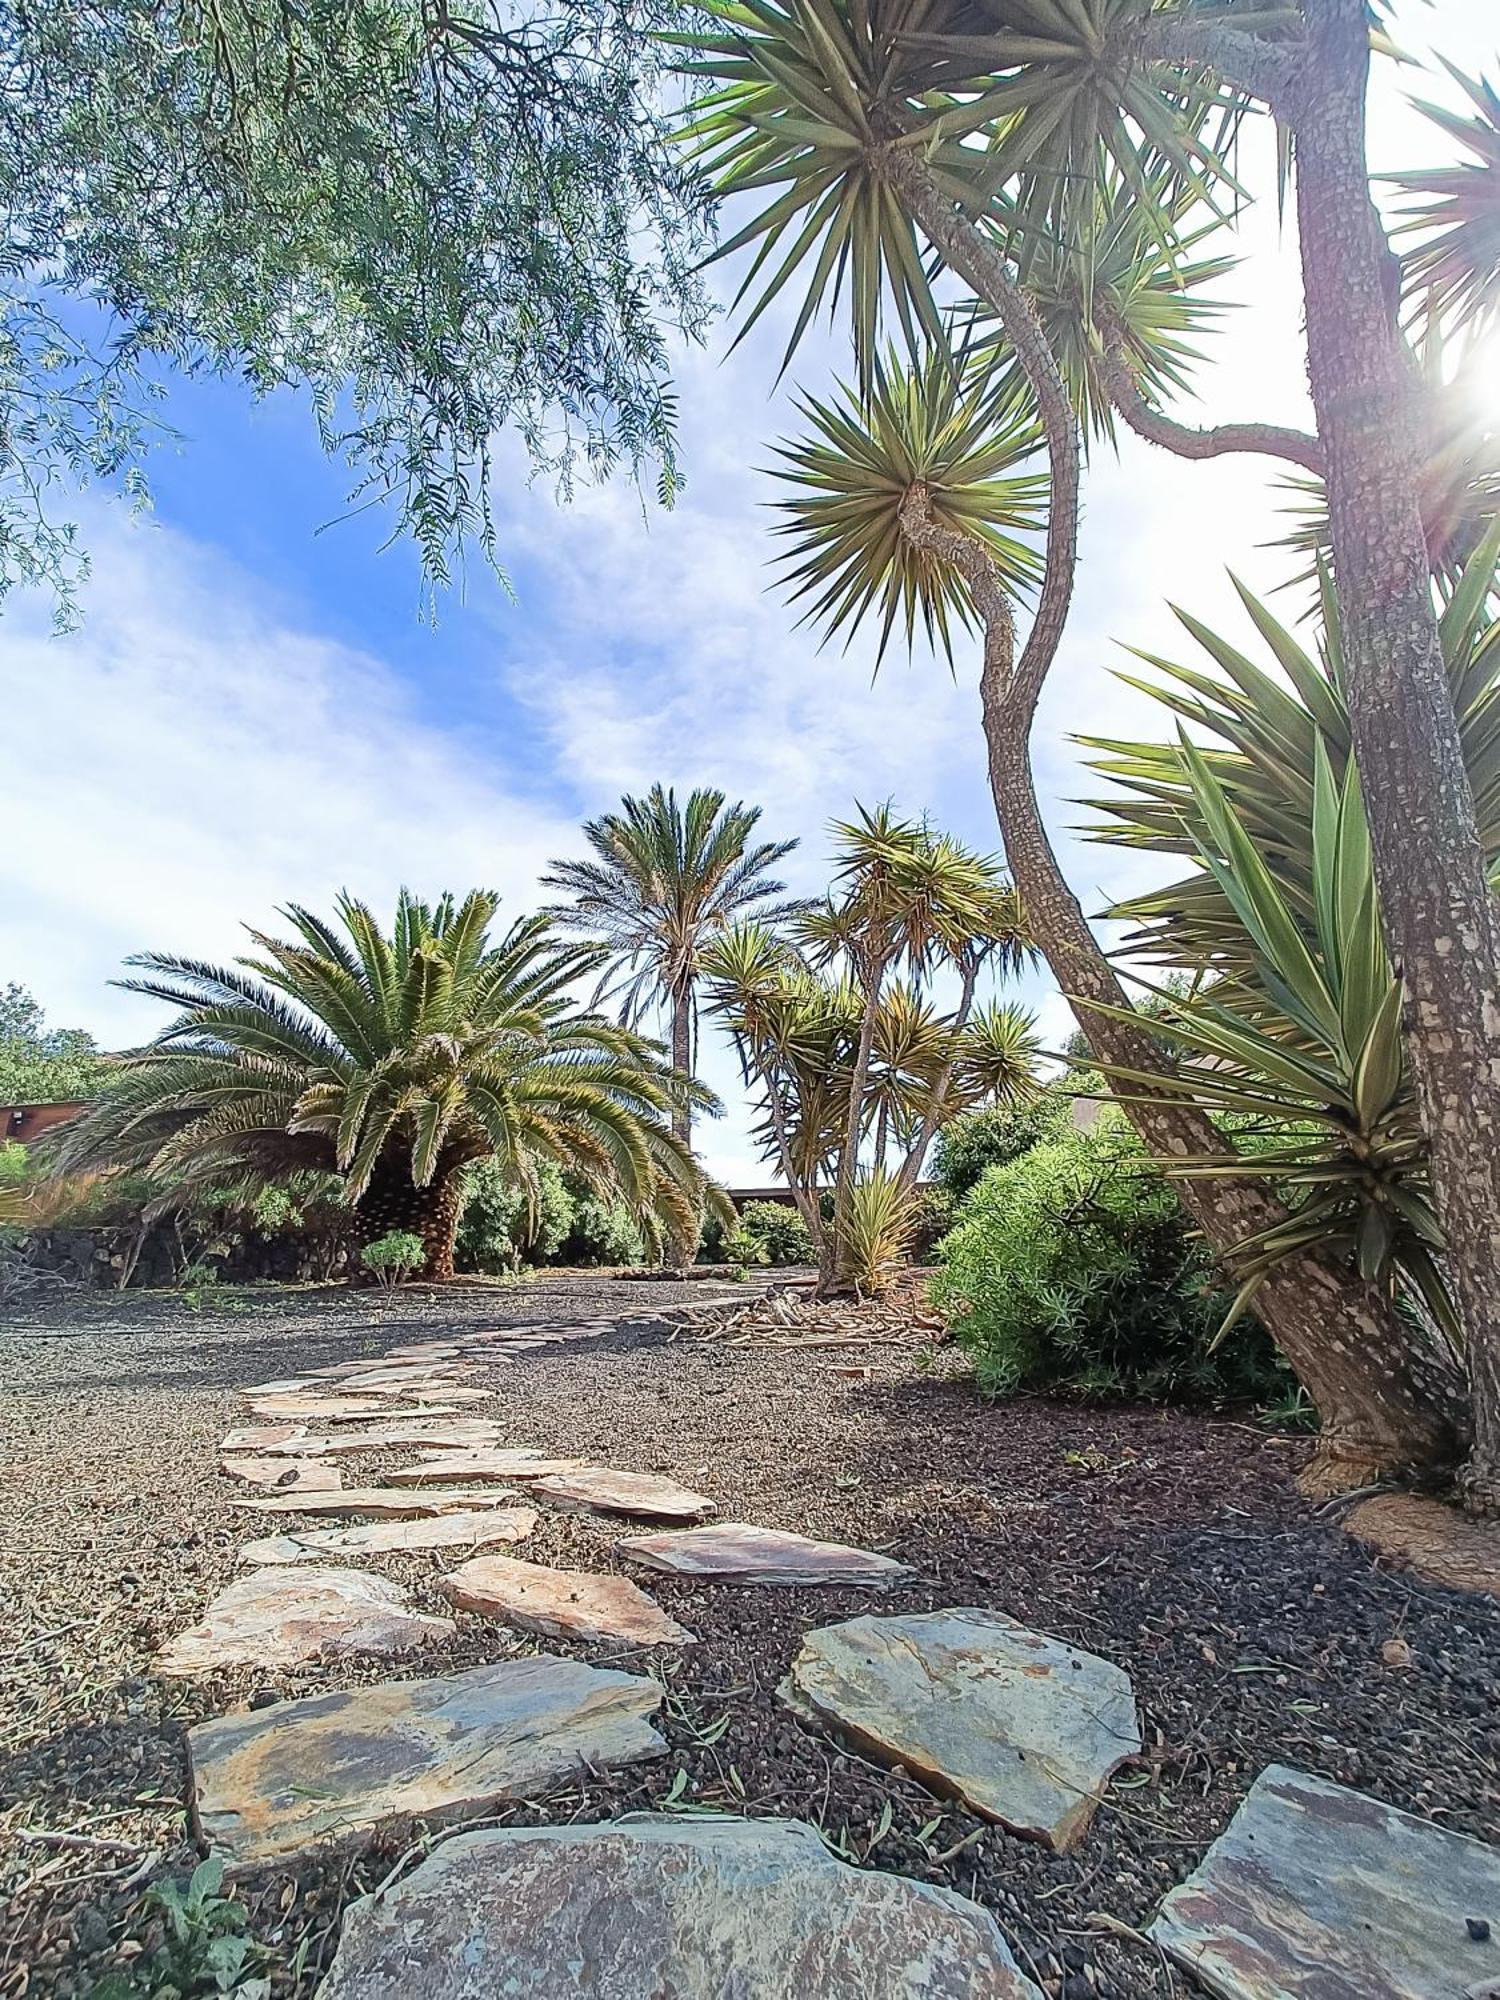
(740, 1552)
(281, 1617)
(562, 1603)
(292, 1475)
(1021, 1727)
(458, 1434)
(344, 1409)
(434, 1468)
(603, 1490)
(737, 1909)
(279, 1780)
(471, 1528)
(1314, 1892)
(384, 1503)
(1432, 1538)
(262, 1437)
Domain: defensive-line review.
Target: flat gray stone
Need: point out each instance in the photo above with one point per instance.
(344, 1409)
(604, 1491)
(458, 1434)
(435, 1468)
(740, 1552)
(280, 1780)
(1314, 1892)
(262, 1437)
(291, 1475)
(281, 1617)
(471, 1528)
(1021, 1727)
(384, 1503)
(675, 1909)
(562, 1603)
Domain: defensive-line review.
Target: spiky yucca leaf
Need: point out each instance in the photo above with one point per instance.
(1454, 266)
(1117, 279)
(880, 1231)
(924, 425)
(1316, 1079)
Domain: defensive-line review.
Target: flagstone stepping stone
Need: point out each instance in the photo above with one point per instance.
(1432, 1538)
(1314, 1892)
(281, 1617)
(287, 1385)
(562, 1603)
(463, 1433)
(388, 1503)
(455, 1529)
(424, 1350)
(281, 1780)
(1021, 1727)
(606, 1491)
(657, 1904)
(345, 1409)
(450, 1392)
(295, 1475)
(262, 1437)
(434, 1468)
(740, 1552)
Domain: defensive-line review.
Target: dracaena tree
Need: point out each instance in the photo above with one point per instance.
(395, 1060)
(883, 141)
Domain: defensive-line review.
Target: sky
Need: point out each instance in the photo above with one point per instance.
(256, 709)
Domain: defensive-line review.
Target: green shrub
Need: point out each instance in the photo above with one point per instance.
(934, 1214)
(1072, 1271)
(504, 1226)
(770, 1233)
(602, 1232)
(971, 1144)
(394, 1257)
(13, 1167)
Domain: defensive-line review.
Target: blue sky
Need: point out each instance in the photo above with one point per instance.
(253, 711)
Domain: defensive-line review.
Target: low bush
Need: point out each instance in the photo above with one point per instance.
(978, 1140)
(770, 1232)
(391, 1258)
(504, 1226)
(1072, 1271)
(601, 1232)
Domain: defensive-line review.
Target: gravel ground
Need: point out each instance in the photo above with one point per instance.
(1255, 1631)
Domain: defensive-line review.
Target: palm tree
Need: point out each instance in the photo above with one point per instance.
(395, 1061)
(664, 879)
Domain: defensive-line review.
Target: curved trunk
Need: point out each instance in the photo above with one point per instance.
(678, 1250)
(1439, 914)
(1389, 1399)
(391, 1202)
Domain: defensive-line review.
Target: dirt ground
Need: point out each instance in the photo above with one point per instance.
(1254, 1629)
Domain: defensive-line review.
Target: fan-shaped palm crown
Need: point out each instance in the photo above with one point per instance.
(928, 426)
(395, 1061)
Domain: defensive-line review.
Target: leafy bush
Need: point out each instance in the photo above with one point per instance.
(934, 1213)
(1072, 1271)
(967, 1147)
(770, 1233)
(602, 1232)
(504, 1225)
(394, 1257)
(205, 1947)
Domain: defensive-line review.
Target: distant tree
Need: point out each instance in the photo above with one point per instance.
(39, 1065)
(440, 221)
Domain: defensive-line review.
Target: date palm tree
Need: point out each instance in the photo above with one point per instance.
(665, 877)
(395, 1060)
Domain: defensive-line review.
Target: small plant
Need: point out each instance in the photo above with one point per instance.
(195, 1282)
(391, 1258)
(204, 1948)
(772, 1233)
(882, 1222)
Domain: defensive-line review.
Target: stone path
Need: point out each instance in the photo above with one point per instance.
(651, 1905)
(1311, 1890)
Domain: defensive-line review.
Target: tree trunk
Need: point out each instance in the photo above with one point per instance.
(1389, 1398)
(679, 1250)
(391, 1202)
(831, 1278)
(1439, 913)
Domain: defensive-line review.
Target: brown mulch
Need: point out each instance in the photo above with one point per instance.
(1171, 1542)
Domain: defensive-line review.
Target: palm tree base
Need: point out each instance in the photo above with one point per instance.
(392, 1202)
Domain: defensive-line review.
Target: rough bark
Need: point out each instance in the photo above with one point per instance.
(1389, 1401)
(1439, 914)
(391, 1202)
(678, 1250)
(831, 1264)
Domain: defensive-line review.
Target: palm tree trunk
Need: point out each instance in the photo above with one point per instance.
(392, 1202)
(849, 1158)
(679, 1250)
(916, 1158)
(1439, 913)
(1390, 1401)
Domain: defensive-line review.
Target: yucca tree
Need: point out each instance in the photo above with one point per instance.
(1453, 267)
(880, 141)
(1377, 1402)
(394, 1060)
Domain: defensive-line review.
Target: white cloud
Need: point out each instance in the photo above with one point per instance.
(190, 759)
